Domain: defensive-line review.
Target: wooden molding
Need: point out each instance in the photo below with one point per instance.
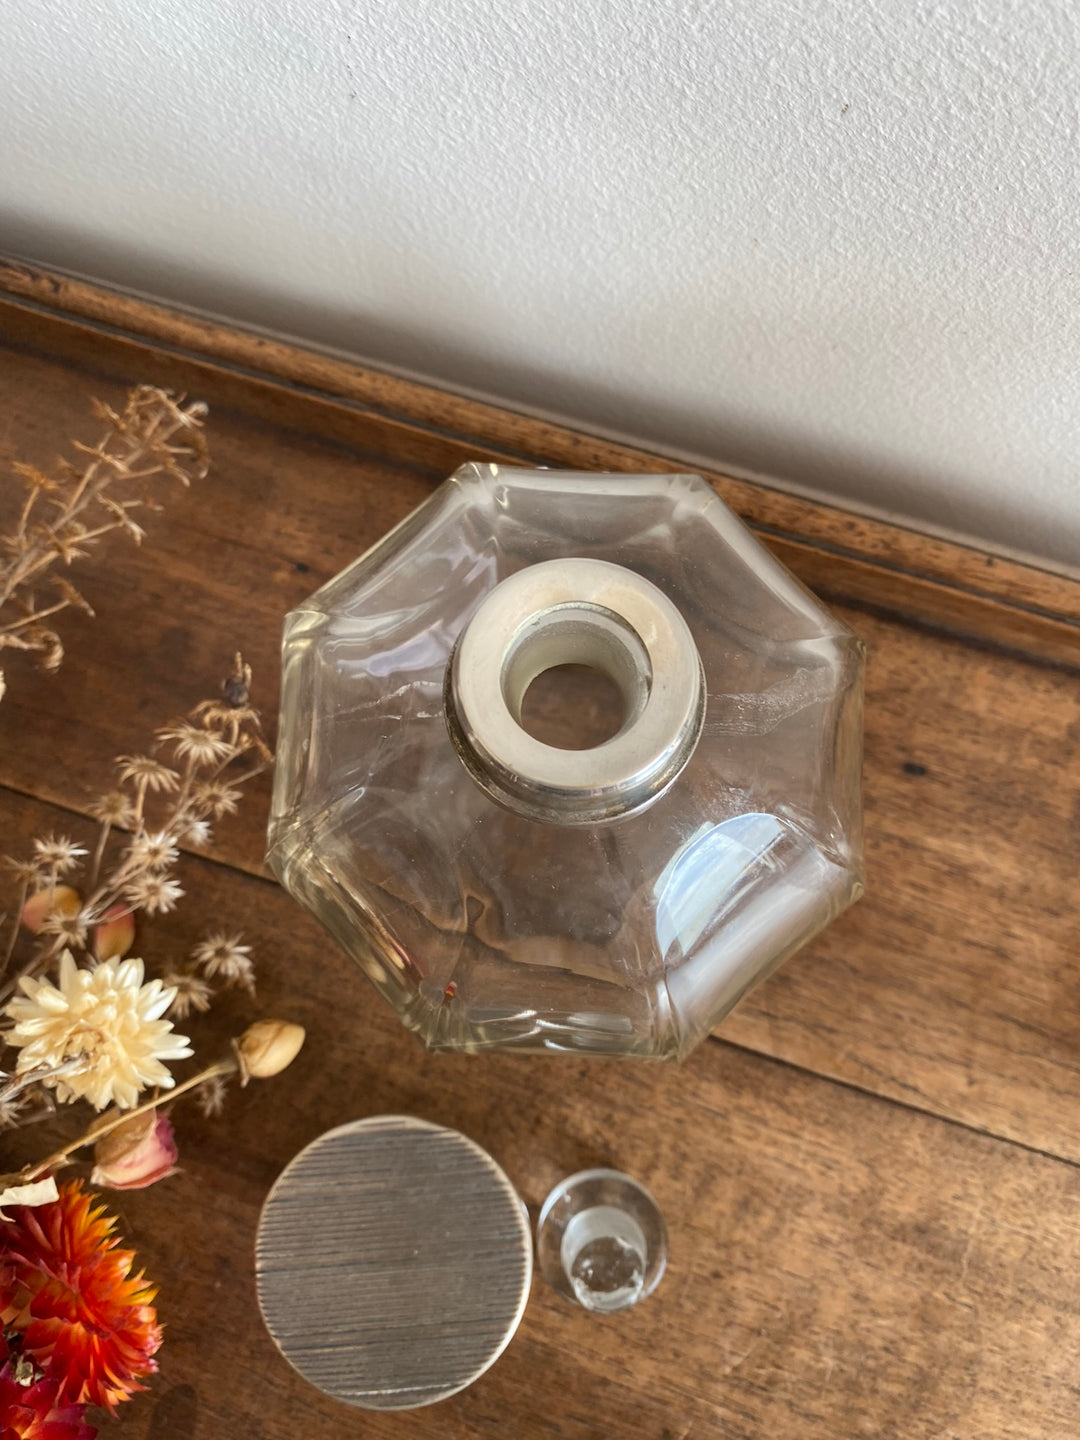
(838, 553)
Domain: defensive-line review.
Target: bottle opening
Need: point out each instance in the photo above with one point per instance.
(558, 705)
(573, 707)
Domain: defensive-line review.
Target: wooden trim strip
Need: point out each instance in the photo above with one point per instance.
(868, 560)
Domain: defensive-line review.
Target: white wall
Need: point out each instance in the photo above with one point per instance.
(836, 243)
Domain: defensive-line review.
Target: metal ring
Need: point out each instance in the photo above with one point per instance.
(576, 611)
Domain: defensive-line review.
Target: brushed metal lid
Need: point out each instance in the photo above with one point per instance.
(393, 1261)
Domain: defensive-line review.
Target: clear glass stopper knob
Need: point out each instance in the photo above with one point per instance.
(601, 1241)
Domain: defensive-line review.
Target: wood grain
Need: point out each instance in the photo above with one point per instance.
(850, 1257)
(841, 1265)
(951, 985)
(954, 585)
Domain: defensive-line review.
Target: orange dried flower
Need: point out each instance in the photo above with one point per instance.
(67, 1292)
(35, 1412)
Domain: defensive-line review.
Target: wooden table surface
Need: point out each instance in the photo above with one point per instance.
(870, 1174)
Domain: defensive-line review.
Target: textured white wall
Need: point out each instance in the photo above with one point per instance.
(832, 241)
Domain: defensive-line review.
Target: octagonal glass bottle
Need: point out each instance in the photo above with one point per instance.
(500, 885)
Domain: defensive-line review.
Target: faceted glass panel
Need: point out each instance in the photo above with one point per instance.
(568, 762)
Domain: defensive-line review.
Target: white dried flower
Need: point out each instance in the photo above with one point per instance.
(223, 712)
(24, 872)
(153, 851)
(193, 831)
(150, 774)
(201, 747)
(11, 1109)
(110, 1018)
(191, 994)
(224, 956)
(114, 808)
(156, 894)
(216, 798)
(58, 854)
(211, 1096)
(70, 928)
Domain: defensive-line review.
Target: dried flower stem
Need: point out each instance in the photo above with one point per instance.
(228, 1066)
(154, 434)
(14, 935)
(19, 1083)
(99, 852)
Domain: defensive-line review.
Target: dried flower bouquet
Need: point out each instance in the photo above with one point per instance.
(83, 1022)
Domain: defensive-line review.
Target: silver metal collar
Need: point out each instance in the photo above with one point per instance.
(585, 612)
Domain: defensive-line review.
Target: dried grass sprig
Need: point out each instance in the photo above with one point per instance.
(161, 800)
(65, 514)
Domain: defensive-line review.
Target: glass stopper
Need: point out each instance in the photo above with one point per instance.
(601, 1241)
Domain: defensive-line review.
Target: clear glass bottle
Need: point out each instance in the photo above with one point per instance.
(504, 888)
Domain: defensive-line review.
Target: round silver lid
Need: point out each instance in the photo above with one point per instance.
(393, 1262)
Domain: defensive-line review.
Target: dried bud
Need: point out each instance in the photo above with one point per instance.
(237, 688)
(267, 1047)
(54, 900)
(114, 937)
(136, 1153)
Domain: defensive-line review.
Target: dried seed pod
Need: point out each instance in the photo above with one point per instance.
(268, 1047)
